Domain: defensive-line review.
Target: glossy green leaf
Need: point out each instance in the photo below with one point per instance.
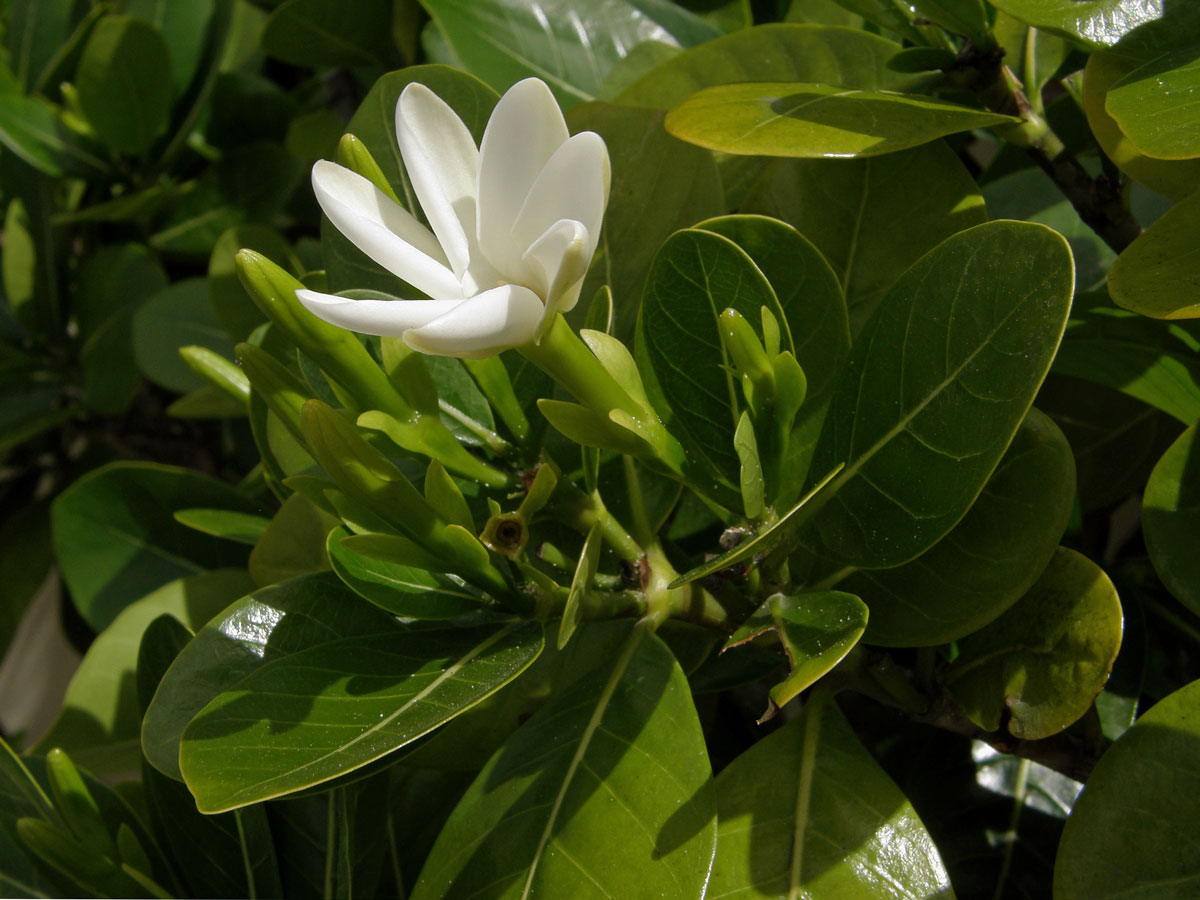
(1159, 273)
(1099, 23)
(810, 53)
(1127, 835)
(179, 316)
(124, 83)
(1171, 178)
(1151, 105)
(871, 218)
(812, 121)
(116, 538)
(1170, 515)
(100, 721)
(962, 17)
(112, 284)
(695, 277)
(605, 792)
(337, 705)
(320, 33)
(1154, 361)
(571, 49)
(989, 559)
(21, 797)
(929, 402)
(815, 322)
(659, 185)
(1039, 666)
(806, 812)
(403, 590)
(272, 623)
(817, 629)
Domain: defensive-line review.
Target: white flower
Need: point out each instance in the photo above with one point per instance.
(514, 224)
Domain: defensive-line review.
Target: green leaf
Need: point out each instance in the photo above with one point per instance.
(339, 704)
(606, 792)
(870, 218)
(320, 33)
(962, 17)
(32, 130)
(184, 27)
(1154, 361)
(572, 50)
(695, 277)
(1147, 106)
(403, 590)
(100, 721)
(812, 121)
(268, 624)
(116, 538)
(659, 185)
(817, 629)
(814, 322)
(989, 559)
(1031, 196)
(1097, 23)
(244, 528)
(180, 315)
(34, 31)
(1170, 513)
(1126, 833)
(1158, 274)
(124, 83)
(929, 402)
(112, 284)
(1043, 662)
(811, 53)
(585, 570)
(293, 543)
(1171, 178)
(806, 812)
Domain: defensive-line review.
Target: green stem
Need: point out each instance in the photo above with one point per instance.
(1010, 837)
(581, 511)
(564, 356)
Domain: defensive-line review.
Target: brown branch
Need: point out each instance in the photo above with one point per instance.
(1098, 200)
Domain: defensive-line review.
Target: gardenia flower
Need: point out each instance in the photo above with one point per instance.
(514, 224)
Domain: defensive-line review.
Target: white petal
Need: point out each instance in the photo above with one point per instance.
(383, 230)
(572, 185)
(390, 318)
(523, 133)
(561, 255)
(443, 163)
(487, 323)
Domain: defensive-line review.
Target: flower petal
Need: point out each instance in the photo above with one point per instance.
(390, 318)
(487, 323)
(524, 131)
(443, 163)
(561, 255)
(383, 229)
(572, 185)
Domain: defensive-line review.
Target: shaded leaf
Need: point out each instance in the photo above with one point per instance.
(1159, 273)
(931, 399)
(1044, 661)
(1170, 516)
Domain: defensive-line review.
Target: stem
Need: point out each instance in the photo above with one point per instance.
(1099, 200)
(581, 511)
(1010, 836)
(564, 356)
(637, 503)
